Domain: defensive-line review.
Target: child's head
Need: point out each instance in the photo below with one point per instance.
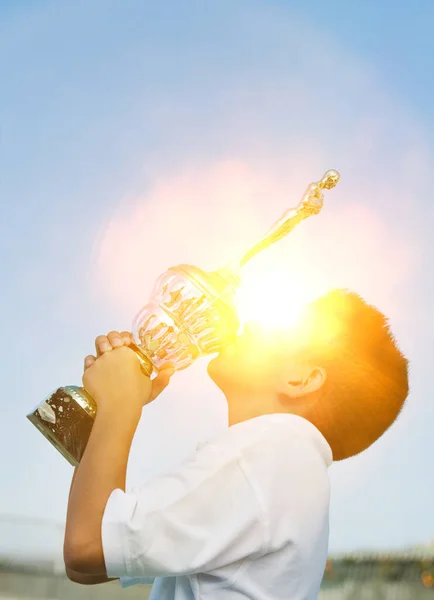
(340, 368)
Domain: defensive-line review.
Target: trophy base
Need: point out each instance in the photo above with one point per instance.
(66, 418)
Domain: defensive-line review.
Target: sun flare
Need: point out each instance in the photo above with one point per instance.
(273, 296)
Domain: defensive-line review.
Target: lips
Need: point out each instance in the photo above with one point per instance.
(230, 351)
(240, 344)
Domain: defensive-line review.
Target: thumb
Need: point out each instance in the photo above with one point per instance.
(161, 381)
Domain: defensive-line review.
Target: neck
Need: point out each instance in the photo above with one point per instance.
(244, 407)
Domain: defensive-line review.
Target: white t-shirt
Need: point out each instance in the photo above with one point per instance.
(247, 516)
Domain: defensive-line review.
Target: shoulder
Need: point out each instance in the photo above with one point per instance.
(270, 444)
(283, 431)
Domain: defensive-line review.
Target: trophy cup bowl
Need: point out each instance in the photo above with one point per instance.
(191, 313)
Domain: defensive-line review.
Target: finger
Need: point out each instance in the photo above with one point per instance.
(127, 337)
(102, 345)
(161, 381)
(115, 339)
(88, 361)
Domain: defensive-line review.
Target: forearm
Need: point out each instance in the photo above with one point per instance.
(74, 475)
(80, 577)
(102, 469)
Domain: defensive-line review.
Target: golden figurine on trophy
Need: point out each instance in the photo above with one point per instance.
(191, 313)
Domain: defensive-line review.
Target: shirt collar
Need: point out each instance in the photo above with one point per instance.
(296, 423)
(301, 424)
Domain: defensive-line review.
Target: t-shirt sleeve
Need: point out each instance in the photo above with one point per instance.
(127, 582)
(197, 518)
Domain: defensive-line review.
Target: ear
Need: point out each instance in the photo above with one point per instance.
(312, 381)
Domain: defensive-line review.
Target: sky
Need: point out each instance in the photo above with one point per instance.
(138, 135)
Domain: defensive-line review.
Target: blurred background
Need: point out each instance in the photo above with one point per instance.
(137, 135)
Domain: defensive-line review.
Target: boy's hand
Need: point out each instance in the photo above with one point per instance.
(114, 377)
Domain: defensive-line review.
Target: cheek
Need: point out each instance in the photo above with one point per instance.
(246, 364)
(255, 357)
(226, 371)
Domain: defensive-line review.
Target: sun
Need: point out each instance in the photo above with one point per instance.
(274, 296)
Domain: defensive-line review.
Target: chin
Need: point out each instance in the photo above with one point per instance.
(219, 370)
(213, 367)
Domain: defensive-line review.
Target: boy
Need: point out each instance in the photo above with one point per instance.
(247, 516)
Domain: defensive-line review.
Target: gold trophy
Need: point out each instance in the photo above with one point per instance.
(191, 313)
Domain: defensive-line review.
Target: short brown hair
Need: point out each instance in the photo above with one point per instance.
(367, 374)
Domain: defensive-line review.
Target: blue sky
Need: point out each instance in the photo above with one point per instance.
(137, 135)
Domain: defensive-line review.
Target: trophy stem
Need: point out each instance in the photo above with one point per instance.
(311, 204)
(290, 219)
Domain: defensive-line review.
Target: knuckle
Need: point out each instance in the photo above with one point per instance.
(102, 343)
(126, 337)
(89, 360)
(114, 338)
(123, 351)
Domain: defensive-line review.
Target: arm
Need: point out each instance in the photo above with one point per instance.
(201, 516)
(102, 470)
(80, 577)
(120, 389)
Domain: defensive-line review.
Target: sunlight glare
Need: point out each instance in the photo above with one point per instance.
(274, 297)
